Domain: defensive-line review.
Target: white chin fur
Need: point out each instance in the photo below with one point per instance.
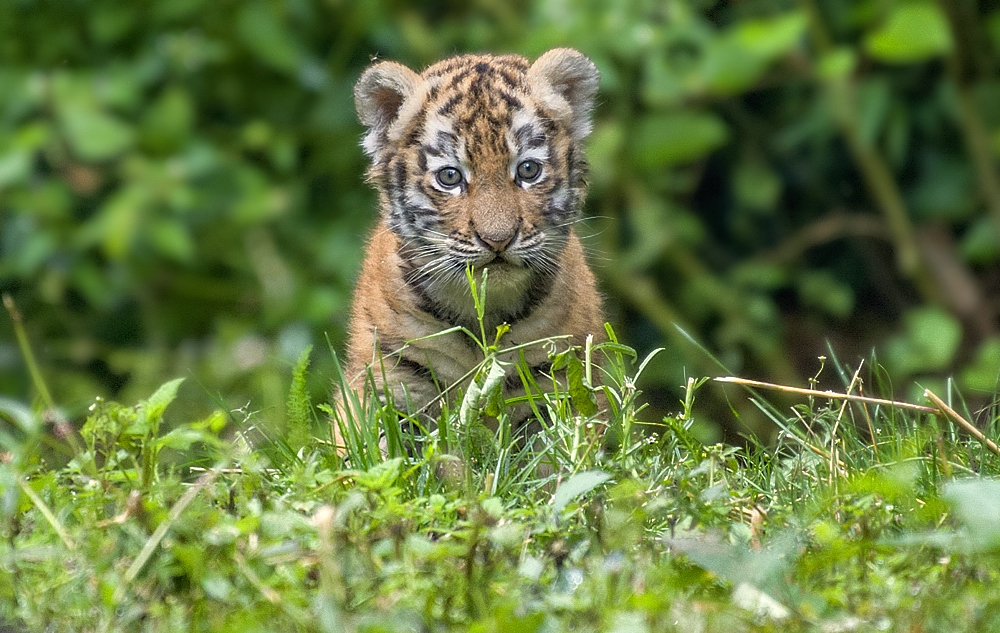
(505, 286)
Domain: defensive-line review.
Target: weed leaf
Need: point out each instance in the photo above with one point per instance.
(578, 484)
(298, 406)
(158, 402)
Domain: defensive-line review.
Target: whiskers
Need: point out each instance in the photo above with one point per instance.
(588, 234)
(444, 267)
(439, 261)
(436, 263)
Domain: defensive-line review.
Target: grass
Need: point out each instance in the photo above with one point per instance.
(861, 516)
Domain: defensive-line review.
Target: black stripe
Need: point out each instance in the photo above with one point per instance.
(436, 196)
(416, 281)
(399, 172)
(511, 79)
(446, 141)
(457, 78)
(398, 360)
(443, 68)
(524, 134)
(514, 381)
(413, 136)
(539, 289)
(535, 141)
(480, 85)
(560, 228)
(446, 108)
(398, 188)
(554, 155)
(511, 101)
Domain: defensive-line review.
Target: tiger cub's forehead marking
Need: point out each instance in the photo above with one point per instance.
(526, 137)
(479, 108)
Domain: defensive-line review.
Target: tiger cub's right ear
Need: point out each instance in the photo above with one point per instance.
(379, 97)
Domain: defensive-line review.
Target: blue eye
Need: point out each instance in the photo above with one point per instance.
(528, 170)
(449, 177)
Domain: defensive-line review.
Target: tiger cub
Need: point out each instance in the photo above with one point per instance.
(477, 162)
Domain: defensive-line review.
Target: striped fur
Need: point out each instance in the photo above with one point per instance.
(487, 122)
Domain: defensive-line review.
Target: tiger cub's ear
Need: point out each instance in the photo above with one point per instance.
(379, 96)
(564, 77)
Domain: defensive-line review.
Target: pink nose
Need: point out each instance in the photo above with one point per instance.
(497, 240)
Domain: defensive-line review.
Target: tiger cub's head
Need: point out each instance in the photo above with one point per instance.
(478, 161)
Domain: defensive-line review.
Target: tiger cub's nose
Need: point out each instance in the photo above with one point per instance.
(497, 240)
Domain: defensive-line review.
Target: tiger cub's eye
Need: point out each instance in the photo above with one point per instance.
(449, 177)
(528, 170)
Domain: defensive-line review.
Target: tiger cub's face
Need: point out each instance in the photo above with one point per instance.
(478, 162)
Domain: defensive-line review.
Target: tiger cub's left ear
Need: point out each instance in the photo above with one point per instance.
(379, 96)
(566, 77)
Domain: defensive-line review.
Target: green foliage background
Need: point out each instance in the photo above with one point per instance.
(181, 183)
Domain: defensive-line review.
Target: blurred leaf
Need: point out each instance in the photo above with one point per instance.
(977, 506)
(168, 121)
(661, 85)
(257, 134)
(117, 223)
(730, 69)
(735, 60)
(821, 289)
(651, 221)
(628, 622)
(161, 399)
(946, 189)
(604, 148)
(181, 439)
(267, 36)
(380, 476)
(738, 564)
(31, 253)
(171, 238)
(929, 341)
(669, 139)
(122, 88)
(914, 32)
(874, 98)
(32, 136)
(772, 37)
(259, 200)
(980, 244)
(838, 64)
(578, 484)
(757, 186)
(756, 274)
(95, 135)
(21, 415)
(993, 30)
(169, 10)
(983, 374)
(109, 22)
(14, 167)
